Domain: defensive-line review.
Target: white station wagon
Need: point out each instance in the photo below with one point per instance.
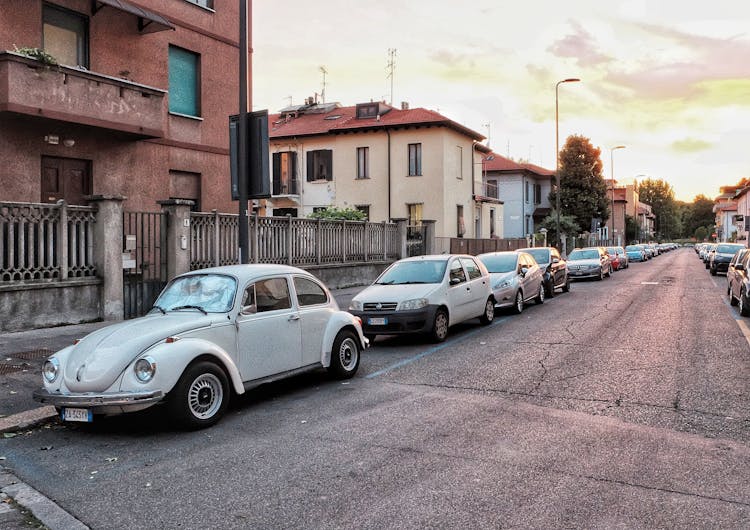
(211, 333)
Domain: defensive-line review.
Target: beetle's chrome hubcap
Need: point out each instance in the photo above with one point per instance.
(205, 396)
(348, 354)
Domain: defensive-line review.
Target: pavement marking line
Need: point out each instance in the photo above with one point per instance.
(649, 283)
(434, 349)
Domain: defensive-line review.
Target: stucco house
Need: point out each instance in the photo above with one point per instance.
(388, 162)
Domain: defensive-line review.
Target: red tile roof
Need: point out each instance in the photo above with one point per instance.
(500, 163)
(343, 119)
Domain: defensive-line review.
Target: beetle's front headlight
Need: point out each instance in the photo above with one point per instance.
(355, 305)
(145, 368)
(51, 369)
(408, 305)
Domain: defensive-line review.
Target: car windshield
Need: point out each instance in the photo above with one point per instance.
(583, 254)
(496, 263)
(612, 251)
(632, 248)
(728, 249)
(421, 271)
(541, 255)
(211, 293)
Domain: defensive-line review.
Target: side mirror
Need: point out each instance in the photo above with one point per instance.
(249, 310)
(455, 281)
(524, 270)
(555, 260)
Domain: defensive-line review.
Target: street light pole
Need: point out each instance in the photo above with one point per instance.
(612, 177)
(557, 156)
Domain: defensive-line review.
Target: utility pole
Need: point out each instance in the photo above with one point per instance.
(391, 68)
(242, 173)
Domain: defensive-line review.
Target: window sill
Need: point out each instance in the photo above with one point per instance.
(188, 116)
(414, 175)
(319, 181)
(209, 9)
(361, 178)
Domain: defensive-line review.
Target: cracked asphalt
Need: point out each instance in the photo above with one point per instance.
(618, 405)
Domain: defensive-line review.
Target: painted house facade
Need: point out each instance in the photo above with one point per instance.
(390, 163)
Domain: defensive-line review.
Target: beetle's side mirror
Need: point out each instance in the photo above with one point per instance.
(249, 310)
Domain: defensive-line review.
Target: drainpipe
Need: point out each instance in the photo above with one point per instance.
(389, 173)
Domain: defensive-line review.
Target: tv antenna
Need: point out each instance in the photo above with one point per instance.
(489, 132)
(391, 67)
(323, 92)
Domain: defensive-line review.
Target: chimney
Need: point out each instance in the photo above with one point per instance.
(404, 105)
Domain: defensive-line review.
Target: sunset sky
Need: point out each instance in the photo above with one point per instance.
(669, 79)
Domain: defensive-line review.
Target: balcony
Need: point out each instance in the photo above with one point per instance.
(486, 191)
(285, 188)
(72, 95)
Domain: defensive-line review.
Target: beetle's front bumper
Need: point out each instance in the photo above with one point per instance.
(101, 403)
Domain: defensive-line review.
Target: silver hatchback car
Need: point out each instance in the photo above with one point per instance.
(515, 277)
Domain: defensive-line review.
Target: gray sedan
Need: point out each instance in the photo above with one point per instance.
(515, 278)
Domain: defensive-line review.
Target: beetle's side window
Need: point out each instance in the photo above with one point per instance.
(309, 292)
(457, 272)
(272, 294)
(248, 300)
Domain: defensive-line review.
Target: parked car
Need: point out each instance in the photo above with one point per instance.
(590, 262)
(706, 251)
(211, 333)
(516, 278)
(721, 256)
(554, 267)
(425, 294)
(738, 282)
(635, 253)
(618, 258)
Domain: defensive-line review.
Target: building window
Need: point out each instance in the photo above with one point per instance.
(415, 160)
(459, 162)
(283, 212)
(203, 3)
(184, 82)
(415, 214)
(460, 224)
(365, 209)
(285, 173)
(186, 185)
(492, 222)
(367, 110)
(537, 194)
(526, 192)
(320, 165)
(65, 36)
(363, 162)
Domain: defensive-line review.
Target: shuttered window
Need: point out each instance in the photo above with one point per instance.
(320, 165)
(184, 82)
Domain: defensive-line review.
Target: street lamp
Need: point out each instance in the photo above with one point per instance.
(612, 175)
(557, 155)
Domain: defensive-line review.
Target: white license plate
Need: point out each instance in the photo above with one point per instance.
(377, 321)
(77, 415)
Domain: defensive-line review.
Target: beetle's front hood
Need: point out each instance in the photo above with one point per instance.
(99, 358)
(396, 293)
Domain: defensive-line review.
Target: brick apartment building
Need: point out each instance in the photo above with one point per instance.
(138, 105)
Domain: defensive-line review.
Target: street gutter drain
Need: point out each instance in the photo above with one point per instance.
(31, 355)
(6, 369)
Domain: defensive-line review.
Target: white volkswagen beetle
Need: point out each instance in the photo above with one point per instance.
(212, 332)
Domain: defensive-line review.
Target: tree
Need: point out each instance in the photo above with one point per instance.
(338, 214)
(660, 195)
(568, 226)
(631, 228)
(701, 233)
(701, 214)
(583, 192)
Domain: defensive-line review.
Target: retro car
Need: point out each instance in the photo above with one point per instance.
(210, 334)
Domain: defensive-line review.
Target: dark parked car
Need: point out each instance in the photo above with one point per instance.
(738, 281)
(555, 269)
(718, 260)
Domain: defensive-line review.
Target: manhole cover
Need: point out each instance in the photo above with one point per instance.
(31, 355)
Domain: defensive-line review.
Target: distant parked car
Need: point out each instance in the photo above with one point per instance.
(738, 282)
(721, 256)
(618, 257)
(635, 253)
(555, 268)
(211, 333)
(516, 278)
(425, 294)
(590, 262)
(705, 252)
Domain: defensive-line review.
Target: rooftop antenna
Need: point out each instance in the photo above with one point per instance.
(323, 93)
(489, 132)
(391, 67)
(290, 100)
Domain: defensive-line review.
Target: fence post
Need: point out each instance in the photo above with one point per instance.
(256, 238)
(217, 238)
(401, 231)
(289, 240)
(178, 235)
(62, 238)
(344, 241)
(108, 253)
(429, 236)
(319, 241)
(366, 240)
(384, 239)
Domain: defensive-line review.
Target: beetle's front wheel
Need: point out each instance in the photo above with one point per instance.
(345, 355)
(200, 397)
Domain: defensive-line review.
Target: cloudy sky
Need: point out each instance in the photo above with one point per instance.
(669, 79)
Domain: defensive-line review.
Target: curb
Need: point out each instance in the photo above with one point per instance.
(42, 508)
(26, 419)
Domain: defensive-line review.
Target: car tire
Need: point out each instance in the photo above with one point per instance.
(540, 295)
(345, 355)
(200, 397)
(439, 326)
(707, 265)
(744, 306)
(609, 271)
(518, 305)
(601, 275)
(732, 300)
(550, 293)
(566, 285)
(488, 315)
(713, 271)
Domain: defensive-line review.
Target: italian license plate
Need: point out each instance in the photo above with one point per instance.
(83, 415)
(377, 321)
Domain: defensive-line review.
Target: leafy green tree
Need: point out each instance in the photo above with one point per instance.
(338, 214)
(583, 192)
(660, 195)
(568, 226)
(631, 228)
(701, 214)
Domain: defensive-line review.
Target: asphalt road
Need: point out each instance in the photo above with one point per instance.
(623, 403)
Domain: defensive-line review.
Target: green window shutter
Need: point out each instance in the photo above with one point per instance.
(183, 82)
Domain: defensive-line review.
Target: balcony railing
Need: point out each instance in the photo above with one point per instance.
(285, 188)
(488, 190)
(73, 95)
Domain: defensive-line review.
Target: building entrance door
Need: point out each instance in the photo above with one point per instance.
(65, 178)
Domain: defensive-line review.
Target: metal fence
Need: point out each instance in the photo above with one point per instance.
(46, 241)
(143, 282)
(290, 240)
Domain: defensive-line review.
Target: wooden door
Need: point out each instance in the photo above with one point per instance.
(65, 178)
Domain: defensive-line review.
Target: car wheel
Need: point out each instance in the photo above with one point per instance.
(601, 275)
(743, 305)
(609, 271)
(488, 315)
(707, 265)
(200, 397)
(713, 271)
(732, 299)
(440, 326)
(540, 296)
(550, 292)
(518, 306)
(566, 286)
(345, 355)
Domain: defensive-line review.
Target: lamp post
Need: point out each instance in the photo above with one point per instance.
(557, 155)
(612, 175)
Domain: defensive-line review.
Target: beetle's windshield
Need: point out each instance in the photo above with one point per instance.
(212, 293)
(422, 271)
